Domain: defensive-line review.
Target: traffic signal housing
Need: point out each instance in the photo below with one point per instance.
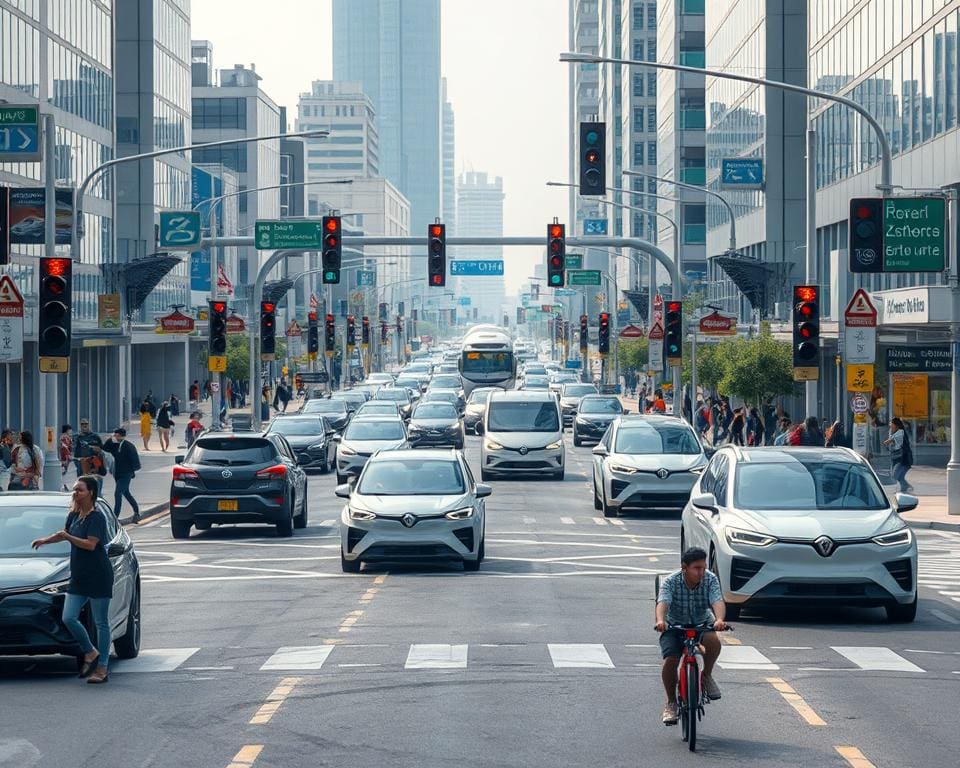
(558, 328)
(218, 328)
(593, 167)
(56, 288)
(521, 316)
(584, 333)
(866, 234)
(806, 332)
(673, 333)
(603, 334)
(313, 335)
(332, 249)
(556, 254)
(351, 332)
(437, 255)
(268, 330)
(329, 335)
(384, 331)
(365, 331)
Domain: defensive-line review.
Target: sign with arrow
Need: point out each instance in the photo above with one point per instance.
(860, 330)
(741, 172)
(19, 133)
(179, 230)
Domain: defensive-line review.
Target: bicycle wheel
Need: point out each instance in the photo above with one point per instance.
(682, 701)
(692, 705)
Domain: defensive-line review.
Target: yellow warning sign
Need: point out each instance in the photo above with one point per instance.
(860, 378)
(54, 365)
(217, 363)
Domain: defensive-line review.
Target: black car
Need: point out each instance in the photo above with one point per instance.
(333, 410)
(353, 399)
(399, 395)
(33, 583)
(594, 415)
(238, 478)
(310, 437)
(436, 424)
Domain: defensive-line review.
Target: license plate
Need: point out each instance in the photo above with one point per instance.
(227, 505)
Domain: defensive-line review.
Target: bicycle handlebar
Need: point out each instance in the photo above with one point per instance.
(708, 627)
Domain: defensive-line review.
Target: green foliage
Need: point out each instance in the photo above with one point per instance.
(711, 364)
(238, 356)
(756, 368)
(632, 353)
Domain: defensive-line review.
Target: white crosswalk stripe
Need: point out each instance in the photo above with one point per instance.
(155, 660)
(580, 655)
(877, 658)
(305, 657)
(744, 657)
(436, 656)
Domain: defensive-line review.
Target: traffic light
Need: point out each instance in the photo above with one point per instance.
(56, 286)
(332, 249)
(806, 332)
(866, 234)
(521, 316)
(556, 253)
(218, 328)
(437, 255)
(313, 335)
(401, 306)
(673, 333)
(329, 335)
(400, 326)
(603, 334)
(593, 168)
(382, 311)
(268, 330)
(384, 330)
(584, 333)
(351, 332)
(535, 291)
(365, 331)
(558, 328)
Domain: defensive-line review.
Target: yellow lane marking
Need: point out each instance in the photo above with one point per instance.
(247, 756)
(796, 701)
(855, 757)
(332, 641)
(352, 618)
(274, 700)
(726, 638)
(380, 579)
(369, 595)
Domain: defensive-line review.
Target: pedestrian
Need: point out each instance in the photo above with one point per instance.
(83, 453)
(164, 425)
(174, 405)
(811, 434)
(146, 425)
(754, 427)
(126, 464)
(769, 421)
(230, 397)
(91, 576)
(195, 394)
(6, 458)
(27, 467)
(207, 389)
(738, 427)
(284, 393)
(66, 452)
(151, 402)
(659, 404)
(901, 453)
(687, 408)
(836, 437)
(265, 405)
(782, 431)
(194, 428)
(703, 419)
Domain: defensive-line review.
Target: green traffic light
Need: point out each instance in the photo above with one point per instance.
(329, 275)
(592, 137)
(555, 279)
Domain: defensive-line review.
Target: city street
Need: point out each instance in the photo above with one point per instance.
(258, 649)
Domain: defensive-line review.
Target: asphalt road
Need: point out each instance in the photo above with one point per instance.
(259, 653)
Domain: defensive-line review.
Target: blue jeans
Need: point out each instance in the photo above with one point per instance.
(100, 607)
(123, 491)
(900, 475)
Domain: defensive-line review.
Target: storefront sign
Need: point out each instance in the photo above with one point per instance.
(108, 311)
(175, 322)
(921, 359)
(717, 324)
(859, 378)
(910, 394)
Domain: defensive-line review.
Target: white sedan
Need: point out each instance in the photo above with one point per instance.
(802, 525)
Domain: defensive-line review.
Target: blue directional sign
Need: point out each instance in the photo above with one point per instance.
(564, 292)
(473, 268)
(741, 172)
(594, 226)
(366, 277)
(464, 301)
(19, 133)
(179, 230)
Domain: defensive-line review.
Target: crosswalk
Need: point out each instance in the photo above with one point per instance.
(529, 656)
(938, 566)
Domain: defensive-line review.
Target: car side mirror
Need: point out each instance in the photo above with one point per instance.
(906, 502)
(115, 549)
(600, 450)
(483, 490)
(706, 501)
(344, 490)
(479, 428)
(179, 459)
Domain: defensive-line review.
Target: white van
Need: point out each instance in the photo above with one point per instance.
(521, 432)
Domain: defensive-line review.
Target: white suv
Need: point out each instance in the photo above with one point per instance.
(522, 432)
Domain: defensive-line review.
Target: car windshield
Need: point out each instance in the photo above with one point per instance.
(480, 395)
(298, 426)
(231, 451)
(430, 477)
(410, 383)
(519, 416)
(650, 439)
(803, 486)
(20, 525)
(528, 371)
(600, 405)
(445, 382)
(378, 406)
(374, 430)
(324, 406)
(436, 410)
(535, 382)
(578, 390)
(399, 395)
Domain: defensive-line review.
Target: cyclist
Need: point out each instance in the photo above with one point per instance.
(689, 596)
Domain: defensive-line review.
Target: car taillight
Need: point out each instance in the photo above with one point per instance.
(182, 473)
(276, 472)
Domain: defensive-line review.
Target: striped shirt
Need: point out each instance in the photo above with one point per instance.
(689, 606)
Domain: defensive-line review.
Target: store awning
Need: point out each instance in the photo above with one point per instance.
(276, 289)
(759, 281)
(139, 277)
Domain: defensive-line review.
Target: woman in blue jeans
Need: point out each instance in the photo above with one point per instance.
(901, 454)
(91, 576)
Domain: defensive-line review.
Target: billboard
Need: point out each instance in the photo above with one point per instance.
(28, 219)
(203, 186)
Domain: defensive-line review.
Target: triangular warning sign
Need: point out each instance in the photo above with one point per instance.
(656, 333)
(860, 311)
(8, 291)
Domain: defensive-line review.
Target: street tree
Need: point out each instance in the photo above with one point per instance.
(757, 368)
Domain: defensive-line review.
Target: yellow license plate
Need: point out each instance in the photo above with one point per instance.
(227, 505)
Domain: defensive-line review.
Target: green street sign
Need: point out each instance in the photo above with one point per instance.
(573, 261)
(584, 277)
(19, 133)
(271, 235)
(914, 234)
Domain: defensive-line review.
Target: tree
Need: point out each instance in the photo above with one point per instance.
(757, 367)
(711, 364)
(632, 353)
(238, 356)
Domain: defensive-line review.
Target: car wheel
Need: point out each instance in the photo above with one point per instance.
(608, 511)
(349, 566)
(325, 467)
(576, 438)
(128, 646)
(300, 521)
(180, 528)
(597, 504)
(558, 475)
(285, 526)
(902, 614)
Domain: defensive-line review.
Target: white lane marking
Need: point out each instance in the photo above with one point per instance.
(744, 657)
(567, 521)
(614, 521)
(599, 521)
(529, 520)
(791, 648)
(944, 616)
(155, 660)
(876, 658)
(328, 522)
(436, 656)
(592, 655)
(307, 657)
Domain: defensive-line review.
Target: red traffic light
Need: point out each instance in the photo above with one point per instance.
(58, 267)
(592, 156)
(436, 230)
(556, 230)
(604, 318)
(219, 307)
(266, 306)
(805, 293)
(332, 223)
(863, 212)
(312, 317)
(674, 306)
(329, 318)
(438, 279)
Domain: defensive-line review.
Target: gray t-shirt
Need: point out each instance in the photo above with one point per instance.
(689, 606)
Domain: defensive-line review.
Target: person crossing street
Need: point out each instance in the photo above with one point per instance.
(126, 463)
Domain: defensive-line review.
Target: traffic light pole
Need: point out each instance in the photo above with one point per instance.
(49, 433)
(811, 387)
(953, 466)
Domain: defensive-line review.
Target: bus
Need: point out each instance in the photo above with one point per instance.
(487, 359)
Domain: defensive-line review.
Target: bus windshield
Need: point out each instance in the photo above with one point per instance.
(487, 362)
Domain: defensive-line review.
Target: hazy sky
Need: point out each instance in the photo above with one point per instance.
(509, 91)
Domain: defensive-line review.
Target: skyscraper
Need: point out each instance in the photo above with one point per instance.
(392, 47)
(448, 208)
(480, 214)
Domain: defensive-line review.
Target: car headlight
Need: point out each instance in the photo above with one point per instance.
(55, 587)
(345, 451)
(361, 514)
(895, 538)
(492, 446)
(623, 469)
(460, 514)
(554, 446)
(751, 538)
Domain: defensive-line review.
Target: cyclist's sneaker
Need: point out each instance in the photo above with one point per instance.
(711, 688)
(670, 714)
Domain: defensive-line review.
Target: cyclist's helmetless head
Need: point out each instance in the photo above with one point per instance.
(693, 562)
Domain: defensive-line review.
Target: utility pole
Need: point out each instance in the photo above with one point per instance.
(52, 479)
